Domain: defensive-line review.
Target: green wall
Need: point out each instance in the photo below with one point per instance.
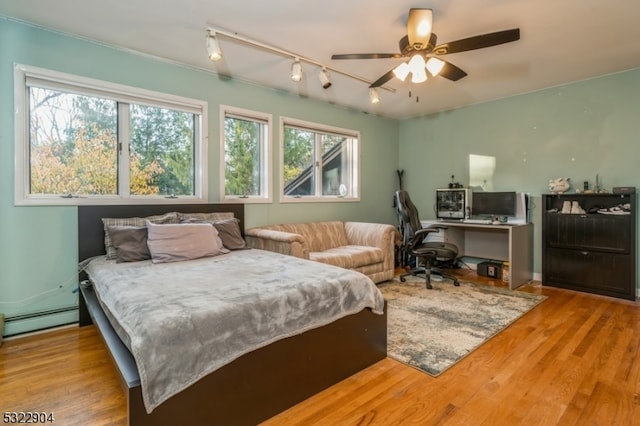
(38, 248)
(575, 131)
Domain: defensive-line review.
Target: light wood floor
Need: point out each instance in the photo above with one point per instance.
(573, 360)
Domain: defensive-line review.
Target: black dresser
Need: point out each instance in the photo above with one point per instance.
(593, 251)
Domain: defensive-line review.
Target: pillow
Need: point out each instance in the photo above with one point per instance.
(210, 217)
(130, 243)
(132, 221)
(228, 230)
(178, 242)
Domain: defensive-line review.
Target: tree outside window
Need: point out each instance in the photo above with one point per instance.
(89, 141)
(161, 149)
(245, 155)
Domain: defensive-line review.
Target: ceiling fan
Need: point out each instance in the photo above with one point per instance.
(419, 45)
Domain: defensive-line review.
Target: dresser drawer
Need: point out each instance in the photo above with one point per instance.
(589, 232)
(604, 273)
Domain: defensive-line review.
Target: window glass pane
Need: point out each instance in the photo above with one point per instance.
(334, 156)
(73, 143)
(84, 141)
(242, 156)
(161, 151)
(298, 171)
(319, 162)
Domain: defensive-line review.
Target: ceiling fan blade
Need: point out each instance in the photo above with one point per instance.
(367, 56)
(451, 72)
(478, 42)
(382, 80)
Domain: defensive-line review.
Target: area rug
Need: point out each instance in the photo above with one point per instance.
(433, 329)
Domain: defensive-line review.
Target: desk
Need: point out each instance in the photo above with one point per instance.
(512, 243)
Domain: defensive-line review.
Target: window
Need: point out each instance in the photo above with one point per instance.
(319, 163)
(245, 156)
(83, 141)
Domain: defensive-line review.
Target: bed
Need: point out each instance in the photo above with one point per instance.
(257, 384)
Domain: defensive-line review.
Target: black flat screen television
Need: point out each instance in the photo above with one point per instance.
(493, 204)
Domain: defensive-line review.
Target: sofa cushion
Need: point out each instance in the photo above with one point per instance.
(324, 235)
(320, 236)
(374, 268)
(349, 257)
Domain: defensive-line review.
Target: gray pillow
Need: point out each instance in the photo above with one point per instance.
(171, 217)
(129, 242)
(178, 242)
(228, 230)
(209, 217)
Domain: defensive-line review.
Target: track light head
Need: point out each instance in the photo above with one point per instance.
(213, 48)
(324, 78)
(373, 95)
(296, 71)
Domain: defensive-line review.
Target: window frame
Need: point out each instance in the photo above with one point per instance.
(25, 75)
(266, 145)
(353, 193)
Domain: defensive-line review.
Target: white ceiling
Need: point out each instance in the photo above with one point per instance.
(561, 41)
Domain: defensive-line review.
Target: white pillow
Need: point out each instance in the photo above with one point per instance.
(178, 242)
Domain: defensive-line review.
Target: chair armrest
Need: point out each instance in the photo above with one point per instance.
(422, 233)
(436, 226)
(283, 242)
(370, 234)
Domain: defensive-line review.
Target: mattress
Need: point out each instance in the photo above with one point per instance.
(184, 320)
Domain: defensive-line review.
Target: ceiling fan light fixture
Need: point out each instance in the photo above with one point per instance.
(402, 71)
(419, 76)
(420, 43)
(419, 27)
(324, 78)
(434, 66)
(416, 64)
(373, 96)
(213, 48)
(296, 71)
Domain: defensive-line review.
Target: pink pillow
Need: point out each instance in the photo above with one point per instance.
(178, 242)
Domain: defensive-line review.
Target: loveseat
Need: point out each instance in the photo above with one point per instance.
(364, 247)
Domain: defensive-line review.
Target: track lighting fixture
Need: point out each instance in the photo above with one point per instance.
(324, 78)
(213, 48)
(373, 95)
(215, 54)
(296, 71)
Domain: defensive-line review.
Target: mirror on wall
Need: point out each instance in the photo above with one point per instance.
(481, 170)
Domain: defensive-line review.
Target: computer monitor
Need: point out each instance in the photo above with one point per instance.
(493, 204)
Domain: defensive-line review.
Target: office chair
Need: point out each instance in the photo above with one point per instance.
(428, 254)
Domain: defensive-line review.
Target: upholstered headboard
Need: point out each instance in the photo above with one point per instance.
(91, 228)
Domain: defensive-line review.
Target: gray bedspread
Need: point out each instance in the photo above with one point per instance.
(184, 320)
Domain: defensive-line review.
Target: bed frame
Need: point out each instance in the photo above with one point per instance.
(254, 387)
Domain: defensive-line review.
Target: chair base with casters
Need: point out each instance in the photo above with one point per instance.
(427, 270)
